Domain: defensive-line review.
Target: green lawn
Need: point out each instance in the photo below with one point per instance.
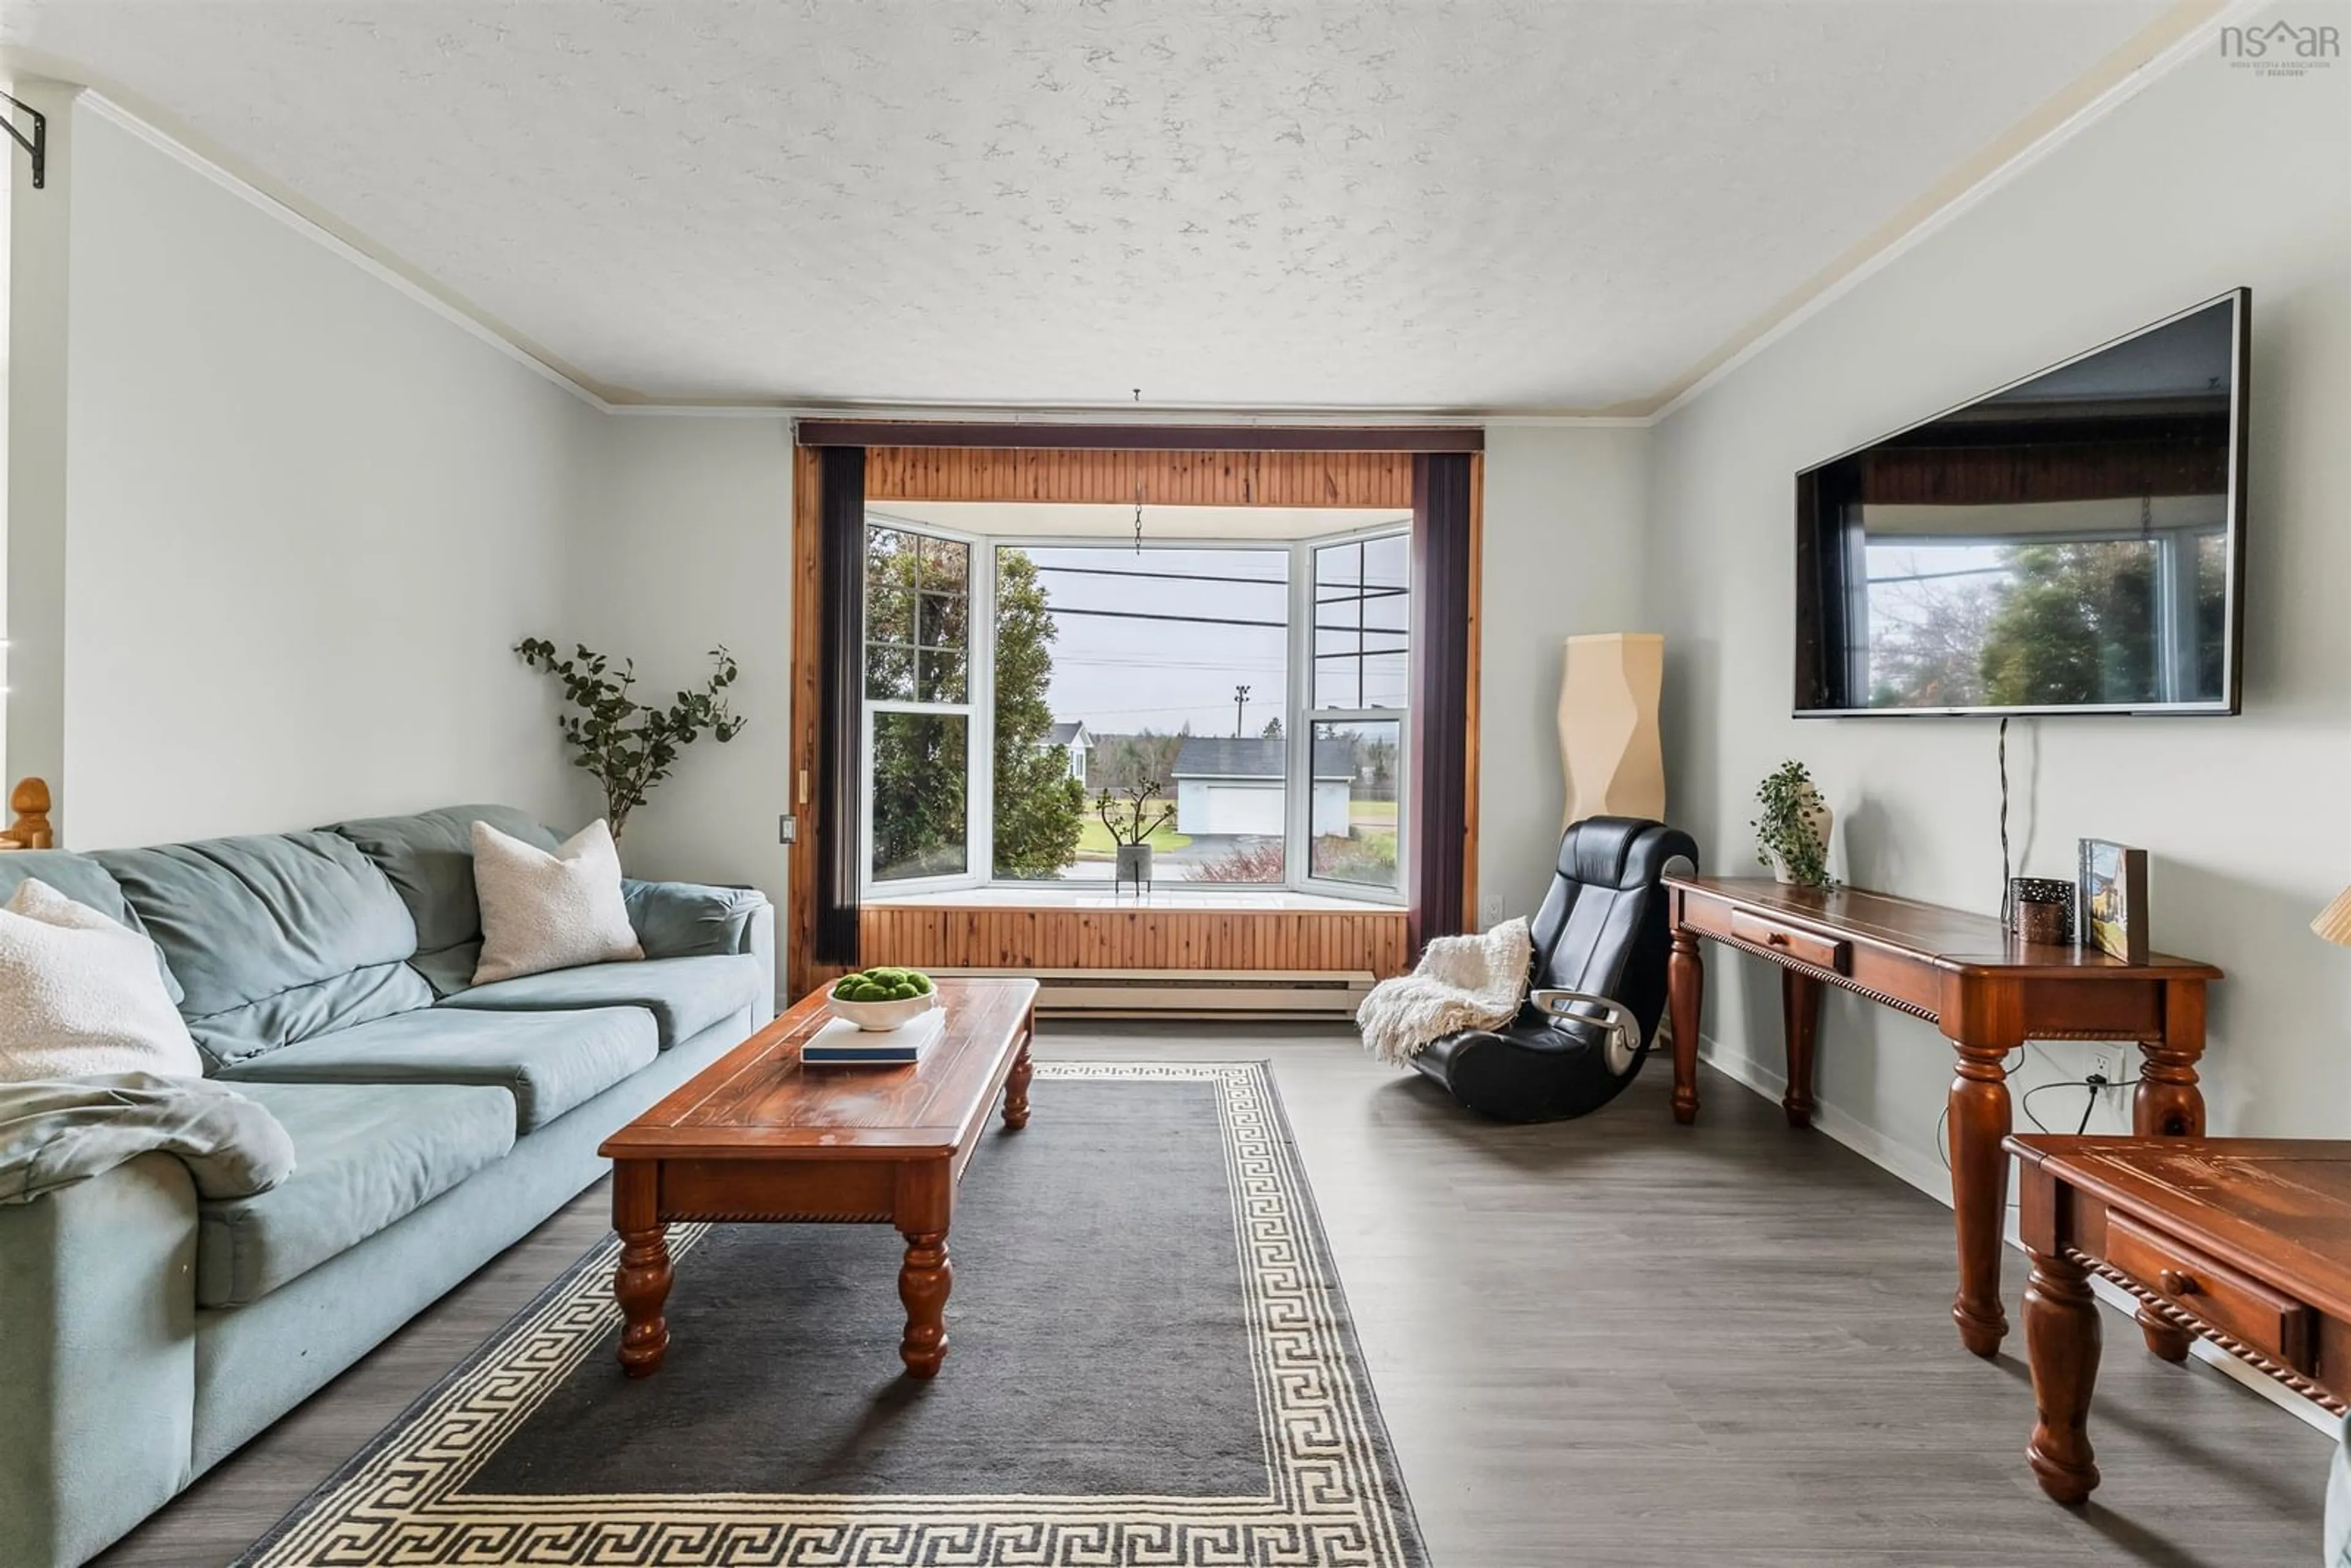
(1371, 813)
(1095, 843)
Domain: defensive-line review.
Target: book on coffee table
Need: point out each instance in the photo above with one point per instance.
(840, 1043)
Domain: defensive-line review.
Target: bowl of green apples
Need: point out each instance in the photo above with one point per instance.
(883, 998)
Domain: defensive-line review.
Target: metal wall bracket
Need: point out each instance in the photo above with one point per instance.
(38, 145)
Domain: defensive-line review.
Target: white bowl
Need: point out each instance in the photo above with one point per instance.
(879, 1016)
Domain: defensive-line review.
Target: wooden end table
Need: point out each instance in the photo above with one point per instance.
(2245, 1242)
(758, 1136)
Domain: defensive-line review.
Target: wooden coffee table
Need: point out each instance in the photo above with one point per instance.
(757, 1136)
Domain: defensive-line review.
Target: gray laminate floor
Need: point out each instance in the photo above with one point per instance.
(1610, 1343)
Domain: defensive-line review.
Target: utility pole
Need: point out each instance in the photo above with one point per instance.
(1240, 709)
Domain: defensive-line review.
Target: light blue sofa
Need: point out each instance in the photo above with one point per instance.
(144, 1335)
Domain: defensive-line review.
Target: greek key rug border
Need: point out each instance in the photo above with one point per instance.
(1327, 1501)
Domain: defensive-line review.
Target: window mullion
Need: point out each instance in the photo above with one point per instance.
(1298, 793)
(979, 674)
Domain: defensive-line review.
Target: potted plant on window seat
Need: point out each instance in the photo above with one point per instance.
(1132, 816)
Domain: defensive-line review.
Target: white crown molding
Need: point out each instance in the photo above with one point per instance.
(2173, 39)
(479, 327)
(2184, 31)
(473, 326)
(121, 107)
(1126, 414)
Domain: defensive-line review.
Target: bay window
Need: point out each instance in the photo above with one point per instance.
(1030, 696)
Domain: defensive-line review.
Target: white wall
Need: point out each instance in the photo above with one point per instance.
(7, 192)
(2208, 179)
(688, 548)
(305, 520)
(1565, 510)
(39, 240)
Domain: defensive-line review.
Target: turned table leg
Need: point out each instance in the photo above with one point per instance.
(2170, 1104)
(2061, 1335)
(640, 1284)
(1979, 1122)
(1800, 1015)
(1016, 1082)
(923, 1284)
(1685, 987)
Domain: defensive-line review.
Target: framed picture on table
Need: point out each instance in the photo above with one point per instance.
(2114, 900)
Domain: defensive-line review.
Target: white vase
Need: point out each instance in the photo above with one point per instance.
(1818, 819)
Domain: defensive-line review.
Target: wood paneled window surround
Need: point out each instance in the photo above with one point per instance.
(985, 641)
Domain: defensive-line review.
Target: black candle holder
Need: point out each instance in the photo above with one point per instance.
(2040, 910)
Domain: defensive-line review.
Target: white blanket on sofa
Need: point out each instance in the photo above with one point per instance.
(1463, 982)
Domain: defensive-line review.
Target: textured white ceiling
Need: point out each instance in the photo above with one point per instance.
(1421, 203)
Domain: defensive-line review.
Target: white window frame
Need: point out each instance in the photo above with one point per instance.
(979, 717)
(1303, 613)
(978, 708)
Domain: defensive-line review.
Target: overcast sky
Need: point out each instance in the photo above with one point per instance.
(1168, 651)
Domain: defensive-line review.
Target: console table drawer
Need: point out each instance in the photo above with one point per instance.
(1806, 947)
(2235, 1303)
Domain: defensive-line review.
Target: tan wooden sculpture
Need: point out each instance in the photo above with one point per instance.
(1608, 742)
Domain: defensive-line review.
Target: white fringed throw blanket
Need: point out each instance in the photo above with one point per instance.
(1463, 982)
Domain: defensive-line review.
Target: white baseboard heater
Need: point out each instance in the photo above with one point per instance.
(1258, 994)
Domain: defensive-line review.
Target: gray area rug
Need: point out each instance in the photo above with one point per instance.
(1149, 1360)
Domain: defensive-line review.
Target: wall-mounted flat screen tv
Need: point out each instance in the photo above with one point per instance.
(2073, 543)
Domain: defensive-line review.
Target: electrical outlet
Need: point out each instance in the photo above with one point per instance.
(2101, 1065)
(1489, 910)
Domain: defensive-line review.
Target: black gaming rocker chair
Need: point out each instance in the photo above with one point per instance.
(1600, 944)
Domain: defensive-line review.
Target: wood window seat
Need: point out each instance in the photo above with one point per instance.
(1246, 950)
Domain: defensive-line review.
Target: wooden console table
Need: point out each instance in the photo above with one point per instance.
(2245, 1241)
(1987, 992)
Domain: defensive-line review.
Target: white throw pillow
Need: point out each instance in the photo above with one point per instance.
(542, 910)
(81, 995)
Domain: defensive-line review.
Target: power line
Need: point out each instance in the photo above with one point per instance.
(1189, 620)
(1253, 666)
(1937, 576)
(1232, 621)
(1164, 576)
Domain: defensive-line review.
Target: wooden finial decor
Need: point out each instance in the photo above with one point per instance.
(31, 828)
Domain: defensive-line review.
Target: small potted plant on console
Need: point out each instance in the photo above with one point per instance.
(1792, 827)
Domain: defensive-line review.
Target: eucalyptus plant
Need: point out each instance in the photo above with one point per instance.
(1130, 814)
(1785, 829)
(629, 746)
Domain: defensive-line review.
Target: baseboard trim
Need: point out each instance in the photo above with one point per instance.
(1871, 1144)
(1250, 995)
(1936, 1182)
